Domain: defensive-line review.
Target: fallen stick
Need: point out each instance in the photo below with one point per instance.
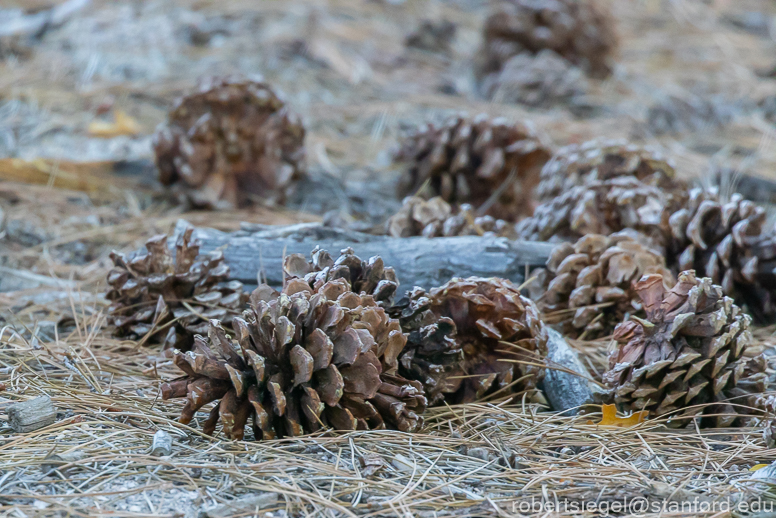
(567, 391)
(31, 415)
(162, 444)
(418, 261)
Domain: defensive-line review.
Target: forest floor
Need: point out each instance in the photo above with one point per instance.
(69, 195)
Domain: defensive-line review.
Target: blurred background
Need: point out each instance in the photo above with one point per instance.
(84, 84)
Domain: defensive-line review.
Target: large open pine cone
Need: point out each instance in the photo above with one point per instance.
(171, 297)
(230, 143)
(307, 359)
(603, 207)
(595, 160)
(437, 218)
(579, 30)
(730, 243)
(688, 352)
(587, 287)
(469, 160)
(466, 339)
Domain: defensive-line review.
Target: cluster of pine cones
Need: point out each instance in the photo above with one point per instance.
(333, 348)
(233, 142)
(670, 272)
(674, 275)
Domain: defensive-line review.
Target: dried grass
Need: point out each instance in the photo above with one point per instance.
(472, 460)
(356, 87)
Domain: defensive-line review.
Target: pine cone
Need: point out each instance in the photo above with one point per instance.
(693, 113)
(307, 359)
(540, 80)
(602, 207)
(370, 277)
(587, 287)
(689, 351)
(459, 338)
(728, 242)
(175, 297)
(579, 30)
(602, 160)
(435, 218)
(230, 143)
(472, 161)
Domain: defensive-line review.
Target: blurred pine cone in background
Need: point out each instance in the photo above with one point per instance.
(467, 339)
(432, 36)
(603, 207)
(689, 351)
(580, 31)
(230, 144)
(691, 113)
(309, 358)
(582, 164)
(730, 243)
(540, 80)
(489, 164)
(603, 187)
(437, 218)
(587, 287)
(154, 293)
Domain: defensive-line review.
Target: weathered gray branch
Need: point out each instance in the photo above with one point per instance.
(566, 391)
(31, 415)
(418, 261)
(162, 444)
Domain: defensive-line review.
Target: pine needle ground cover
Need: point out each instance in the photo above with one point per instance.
(80, 103)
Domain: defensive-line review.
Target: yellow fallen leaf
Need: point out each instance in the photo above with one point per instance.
(609, 417)
(123, 125)
(91, 177)
(758, 466)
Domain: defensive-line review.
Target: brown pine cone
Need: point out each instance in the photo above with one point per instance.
(229, 144)
(466, 337)
(688, 352)
(436, 218)
(581, 31)
(601, 160)
(748, 395)
(587, 287)
(370, 277)
(477, 161)
(603, 207)
(154, 293)
(731, 243)
(307, 359)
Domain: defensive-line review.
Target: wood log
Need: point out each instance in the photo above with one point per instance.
(31, 415)
(565, 391)
(162, 444)
(418, 261)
